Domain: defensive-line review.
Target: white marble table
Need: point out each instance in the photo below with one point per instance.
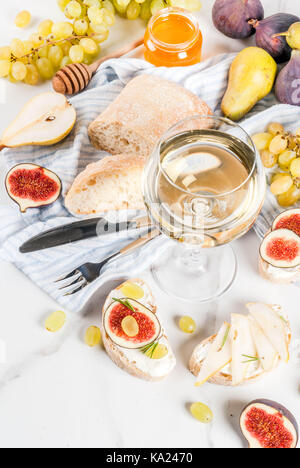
(56, 392)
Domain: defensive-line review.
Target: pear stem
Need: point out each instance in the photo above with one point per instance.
(2, 146)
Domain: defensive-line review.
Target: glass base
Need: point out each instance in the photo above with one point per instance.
(195, 274)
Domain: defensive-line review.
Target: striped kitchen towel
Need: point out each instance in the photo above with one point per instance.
(208, 80)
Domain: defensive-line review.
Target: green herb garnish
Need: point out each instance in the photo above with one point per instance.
(125, 303)
(225, 337)
(150, 349)
(251, 358)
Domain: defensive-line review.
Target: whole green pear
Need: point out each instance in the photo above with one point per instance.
(251, 78)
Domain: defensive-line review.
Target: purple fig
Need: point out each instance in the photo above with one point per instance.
(287, 88)
(277, 47)
(267, 424)
(231, 17)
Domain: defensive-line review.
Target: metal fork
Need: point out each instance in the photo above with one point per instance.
(83, 275)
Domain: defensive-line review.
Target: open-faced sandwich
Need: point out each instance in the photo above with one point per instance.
(133, 335)
(245, 350)
(279, 259)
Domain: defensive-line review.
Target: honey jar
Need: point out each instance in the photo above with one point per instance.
(173, 38)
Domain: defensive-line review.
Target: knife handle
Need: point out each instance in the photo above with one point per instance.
(139, 242)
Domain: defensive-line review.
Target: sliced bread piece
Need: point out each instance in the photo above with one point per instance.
(146, 108)
(113, 183)
(134, 361)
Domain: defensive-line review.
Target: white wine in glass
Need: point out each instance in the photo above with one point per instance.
(204, 186)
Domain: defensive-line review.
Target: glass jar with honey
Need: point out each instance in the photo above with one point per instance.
(173, 39)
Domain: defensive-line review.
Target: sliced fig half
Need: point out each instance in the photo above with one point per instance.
(281, 249)
(289, 219)
(130, 324)
(267, 424)
(32, 186)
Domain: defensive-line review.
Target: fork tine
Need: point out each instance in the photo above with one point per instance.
(76, 279)
(76, 290)
(67, 276)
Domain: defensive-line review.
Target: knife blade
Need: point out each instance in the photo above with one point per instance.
(79, 230)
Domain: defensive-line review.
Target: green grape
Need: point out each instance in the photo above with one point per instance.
(268, 159)
(285, 159)
(91, 3)
(133, 10)
(55, 55)
(65, 61)
(281, 184)
(278, 144)
(23, 19)
(89, 59)
(290, 197)
(293, 36)
(202, 413)
(145, 11)
(18, 71)
(43, 52)
(76, 54)
(121, 9)
(45, 28)
(80, 27)
(28, 47)
(17, 48)
(45, 68)
(36, 39)
(66, 46)
(295, 167)
(108, 5)
(5, 67)
(108, 17)
(5, 53)
(262, 140)
(89, 46)
(62, 29)
(187, 324)
(274, 128)
(156, 6)
(62, 4)
(101, 31)
(32, 75)
(73, 10)
(95, 15)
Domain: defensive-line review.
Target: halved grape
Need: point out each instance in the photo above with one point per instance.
(278, 144)
(55, 321)
(92, 336)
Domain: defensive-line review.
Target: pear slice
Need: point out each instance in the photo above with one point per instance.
(272, 326)
(45, 120)
(243, 347)
(267, 354)
(219, 355)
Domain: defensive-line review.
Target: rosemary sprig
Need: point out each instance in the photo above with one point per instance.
(150, 349)
(251, 358)
(125, 303)
(225, 337)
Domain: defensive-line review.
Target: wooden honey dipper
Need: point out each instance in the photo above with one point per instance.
(74, 78)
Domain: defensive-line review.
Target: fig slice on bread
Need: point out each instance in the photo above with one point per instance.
(133, 335)
(255, 345)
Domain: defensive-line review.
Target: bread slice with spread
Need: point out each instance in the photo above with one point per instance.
(133, 335)
(244, 351)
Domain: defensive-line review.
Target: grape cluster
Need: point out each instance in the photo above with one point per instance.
(281, 150)
(56, 45)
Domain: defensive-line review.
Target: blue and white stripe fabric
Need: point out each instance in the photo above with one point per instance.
(208, 80)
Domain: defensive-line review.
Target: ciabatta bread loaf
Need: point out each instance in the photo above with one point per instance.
(113, 183)
(146, 108)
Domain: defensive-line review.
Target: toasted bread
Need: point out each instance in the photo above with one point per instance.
(134, 361)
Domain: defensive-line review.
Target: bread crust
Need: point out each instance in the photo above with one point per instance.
(115, 353)
(146, 108)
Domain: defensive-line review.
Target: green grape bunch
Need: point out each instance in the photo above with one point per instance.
(76, 40)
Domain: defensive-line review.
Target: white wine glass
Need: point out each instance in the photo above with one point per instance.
(204, 186)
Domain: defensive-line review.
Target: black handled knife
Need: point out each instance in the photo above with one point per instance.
(79, 230)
